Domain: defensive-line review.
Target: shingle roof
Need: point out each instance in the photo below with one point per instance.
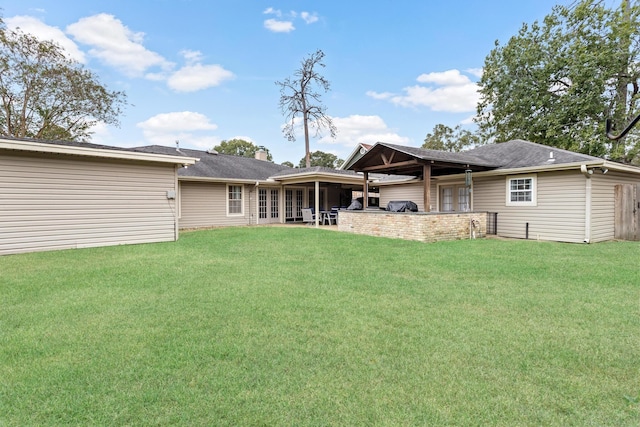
(314, 170)
(518, 154)
(443, 156)
(86, 145)
(223, 166)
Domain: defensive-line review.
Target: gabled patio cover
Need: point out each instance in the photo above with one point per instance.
(419, 162)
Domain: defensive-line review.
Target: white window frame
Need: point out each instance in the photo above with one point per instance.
(534, 190)
(241, 213)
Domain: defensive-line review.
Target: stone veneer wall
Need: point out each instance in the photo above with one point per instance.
(421, 226)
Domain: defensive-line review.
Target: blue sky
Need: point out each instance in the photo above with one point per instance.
(203, 71)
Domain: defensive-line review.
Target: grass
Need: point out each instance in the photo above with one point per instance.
(306, 327)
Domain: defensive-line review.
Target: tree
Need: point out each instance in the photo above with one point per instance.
(45, 95)
(320, 158)
(446, 139)
(240, 147)
(557, 81)
(300, 98)
(287, 163)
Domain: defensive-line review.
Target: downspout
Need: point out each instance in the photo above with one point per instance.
(177, 202)
(587, 202)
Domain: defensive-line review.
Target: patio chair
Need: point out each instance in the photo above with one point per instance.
(331, 217)
(308, 217)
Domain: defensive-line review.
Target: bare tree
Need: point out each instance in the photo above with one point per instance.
(299, 96)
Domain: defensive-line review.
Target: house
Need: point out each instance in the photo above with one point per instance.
(225, 190)
(536, 191)
(60, 195)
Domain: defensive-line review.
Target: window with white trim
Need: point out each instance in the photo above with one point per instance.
(275, 203)
(521, 190)
(234, 200)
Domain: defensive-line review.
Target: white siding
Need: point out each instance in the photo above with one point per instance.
(204, 204)
(61, 202)
(558, 216)
(603, 204)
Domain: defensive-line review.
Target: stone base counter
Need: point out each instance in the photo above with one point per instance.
(421, 226)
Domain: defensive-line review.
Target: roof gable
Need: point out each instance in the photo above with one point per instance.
(403, 160)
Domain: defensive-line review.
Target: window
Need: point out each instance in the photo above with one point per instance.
(262, 203)
(299, 202)
(275, 203)
(521, 191)
(234, 200)
(453, 198)
(447, 199)
(463, 199)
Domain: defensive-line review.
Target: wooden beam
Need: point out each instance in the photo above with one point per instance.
(390, 165)
(389, 160)
(365, 191)
(426, 174)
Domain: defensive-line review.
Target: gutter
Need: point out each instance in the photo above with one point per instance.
(587, 202)
(27, 146)
(221, 180)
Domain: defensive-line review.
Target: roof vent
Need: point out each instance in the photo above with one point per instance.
(212, 151)
(551, 158)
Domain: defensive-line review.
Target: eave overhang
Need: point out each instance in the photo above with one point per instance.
(35, 147)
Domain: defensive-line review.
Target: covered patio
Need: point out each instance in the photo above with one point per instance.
(318, 188)
(418, 163)
(420, 167)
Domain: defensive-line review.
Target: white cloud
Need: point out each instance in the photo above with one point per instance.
(188, 127)
(42, 31)
(381, 96)
(356, 129)
(196, 77)
(272, 11)
(445, 78)
(191, 56)
(116, 45)
(244, 138)
(448, 91)
(468, 121)
(475, 71)
(279, 26)
(284, 23)
(309, 18)
(101, 133)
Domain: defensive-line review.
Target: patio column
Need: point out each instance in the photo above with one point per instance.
(365, 191)
(426, 174)
(317, 205)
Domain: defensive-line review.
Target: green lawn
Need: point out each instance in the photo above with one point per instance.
(303, 326)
